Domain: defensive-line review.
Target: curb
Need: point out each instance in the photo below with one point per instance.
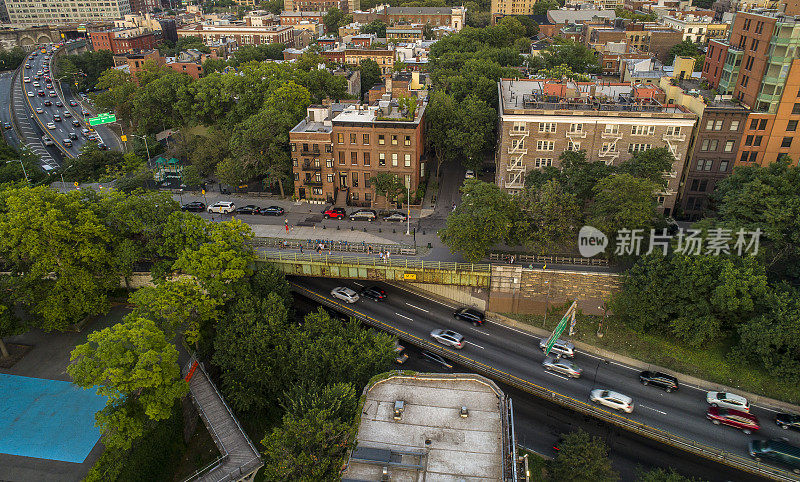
(686, 379)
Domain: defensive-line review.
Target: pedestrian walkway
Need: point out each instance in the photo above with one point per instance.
(316, 232)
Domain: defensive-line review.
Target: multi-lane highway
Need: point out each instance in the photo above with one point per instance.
(516, 353)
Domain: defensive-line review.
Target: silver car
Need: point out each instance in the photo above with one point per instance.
(449, 338)
(345, 294)
(612, 399)
(560, 347)
(727, 400)
(565, 367)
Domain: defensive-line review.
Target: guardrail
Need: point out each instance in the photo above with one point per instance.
(333, 245)
(548, 259)
(721, 456)
(365, 261)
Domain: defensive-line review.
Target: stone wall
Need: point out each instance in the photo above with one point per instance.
(516, 289)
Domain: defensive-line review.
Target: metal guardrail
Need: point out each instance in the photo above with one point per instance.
(333, 245)
(721, 456)
(364, 261)
(547, 259)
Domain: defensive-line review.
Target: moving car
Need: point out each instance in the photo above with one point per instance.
(612, 399)
(52, 93)
(67, 113)
(41, 93)
(76, 123)
(46, 140)
(436, 358)
(727, 400)
(59, 104)
(67, 142)
(47, 103)
(86, 132)
(374, 293)
(194, 206)
(778, 451)
(57, 117)
(560, 347)
(745, 421)
(39, 110)
(221, 207)
(6, 125)
(73, 103)
(26, 79)
(73, 136)
(345, 294)
(51, 125)
(471, 315)
(249, 209)
(273, 211)
(36, 84)
(562, 366)
(788, 420)
(30, 94)
(363, 215)
(448, 338)
(401, 357)
(395, 217)
(658, 379)
(334, 213)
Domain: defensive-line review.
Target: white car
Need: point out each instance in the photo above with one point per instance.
(47, 140)
(222, 207)
(51, 125)
(727, 400)
(612, 399)
(26, 79)
(36, 84)
(449, 338)
(30, 94)
(345, 294)
(469, 175)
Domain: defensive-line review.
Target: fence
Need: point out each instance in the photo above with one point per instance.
(333, 245)
(376, 262)
(732, 460)
(549, 259)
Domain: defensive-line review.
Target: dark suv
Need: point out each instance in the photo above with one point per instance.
(471, 315)
(363, 215)
(374, 293)
(334, 213)
(194, 206)
(662, 380)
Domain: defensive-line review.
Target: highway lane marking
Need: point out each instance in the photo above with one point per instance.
(476, 345)
(609, 361)
(358, 284)
(512, 329)
(404, 316)
(653, 409)
(556, 374)
(417, 307)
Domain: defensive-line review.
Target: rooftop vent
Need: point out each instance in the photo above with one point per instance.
(399, 407)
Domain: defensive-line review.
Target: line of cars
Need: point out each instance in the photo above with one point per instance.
(228, 207)
(362, 215)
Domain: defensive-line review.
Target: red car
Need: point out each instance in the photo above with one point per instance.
(338, 213)
(748, 423)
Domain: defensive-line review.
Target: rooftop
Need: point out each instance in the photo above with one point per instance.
(421, 10)
(573, 16)
(431, 440)
(695, 87)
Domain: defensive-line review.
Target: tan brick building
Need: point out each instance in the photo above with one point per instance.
(383, 57)
(540, 119)
(338, 149)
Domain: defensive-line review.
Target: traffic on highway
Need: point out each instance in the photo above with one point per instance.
(698, 415)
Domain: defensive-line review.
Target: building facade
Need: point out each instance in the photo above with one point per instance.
(120, 41)
(241, 34)
(57, 12)
(540, 119)
(383, 57)
(454, 17)
(337, 150)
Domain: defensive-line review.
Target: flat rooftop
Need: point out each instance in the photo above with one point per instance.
(431, 441)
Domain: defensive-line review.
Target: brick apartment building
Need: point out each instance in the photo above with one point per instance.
(124, 40)
(240, 33)
(338, 149)
(454, 17)
(347, 6)
(540, 119)
(383, 57)
(292, 18)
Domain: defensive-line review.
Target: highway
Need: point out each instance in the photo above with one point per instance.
(517, 353)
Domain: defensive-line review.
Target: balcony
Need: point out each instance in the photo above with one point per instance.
(310, 153)
(610, 135)
(313, 183)
(609, 153)
(578, 134)
(310, 166)
(674, 137)
(519, 133)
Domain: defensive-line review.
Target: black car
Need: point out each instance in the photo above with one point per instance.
(273, 211)
(194, 206)
(471, 315)
(76, 123)
(48, 103)
(662, 380)
(437, 359)
(788, 420)
(249, 209)
(73, 135)
(374, 293)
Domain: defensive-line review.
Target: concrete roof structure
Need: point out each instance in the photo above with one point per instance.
(579, 16)
(431, 439)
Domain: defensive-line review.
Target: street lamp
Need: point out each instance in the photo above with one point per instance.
(145, 147)
(408, 209)
(61, 173)
(603, 307)
(23, 168)
(546, 303)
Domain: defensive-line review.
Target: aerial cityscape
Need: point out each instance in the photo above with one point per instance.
(401, 240)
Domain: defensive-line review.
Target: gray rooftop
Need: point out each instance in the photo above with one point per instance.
(420, 10)
(573, 16)
(431, 441)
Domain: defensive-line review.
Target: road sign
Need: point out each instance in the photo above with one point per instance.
(102, 119)
(560, 328)
(123, 138)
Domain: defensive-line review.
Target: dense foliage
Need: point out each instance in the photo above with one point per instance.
(83, 70)
(11, 59)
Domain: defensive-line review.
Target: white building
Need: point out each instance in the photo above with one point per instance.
(65, 12)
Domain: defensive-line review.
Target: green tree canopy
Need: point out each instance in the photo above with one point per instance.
(582, 458)
(622, 201)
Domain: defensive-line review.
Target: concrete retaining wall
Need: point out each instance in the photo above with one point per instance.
(462, 295)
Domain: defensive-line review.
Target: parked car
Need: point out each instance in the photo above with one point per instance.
(469, 175)
(345, 294)
(396, 216)
(374, 293)
(612, 399)
(101, 145)
(249, 209)
(471, 315)
(778, 451)
(273, 211)
(436, 358)
(334, 213)
(788, 420)
(399, 349)
(67, 142)
(221, 207)
(560, 347)
(728, 400)
(363, 215)
(560, 365)
(46, 140)
(658, 379)
(194, 206)
(448, 338)
(746, 422)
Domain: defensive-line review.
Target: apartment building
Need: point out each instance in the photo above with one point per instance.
(338, 149)
(23, 13)
(322, 5)
(697, 27)
(383, 57)
(125, 40)
(652, 37)
(404, 33)
(454, 17)
(540, 119)
(240, 33)
(294, 18)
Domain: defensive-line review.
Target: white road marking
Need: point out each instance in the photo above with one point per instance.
(556, 374)
(475, 345)
(512, 329)
(359, 284)
(404, 316)
(417, 307)
(653, 409)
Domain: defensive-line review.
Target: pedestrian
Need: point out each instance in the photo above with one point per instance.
(287, 228)
(454, 206)
(301, 249)
(330, 249)
(387, 255)
(369, 249)
(512, 259)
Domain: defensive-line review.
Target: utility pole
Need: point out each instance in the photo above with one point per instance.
(23, 168)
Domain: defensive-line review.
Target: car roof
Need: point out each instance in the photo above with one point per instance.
(732, 396)
(617, 395)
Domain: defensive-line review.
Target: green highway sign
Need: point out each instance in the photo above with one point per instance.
(102, 119)
(570, 314)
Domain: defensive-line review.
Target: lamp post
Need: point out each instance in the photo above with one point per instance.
(23, 168)
(61, 173)
(603, 307)
(408, 209)
(546, 303)
(145, 147)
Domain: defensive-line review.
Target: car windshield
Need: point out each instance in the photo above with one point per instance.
(604, 393)
(721, 395)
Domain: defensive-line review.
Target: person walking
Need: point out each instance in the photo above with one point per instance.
(301, 249)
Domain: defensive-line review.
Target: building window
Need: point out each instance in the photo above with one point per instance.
(723, 166)
(353, 139)
(340, 138)
(574, 146)
(708, 164)
(394, 159)
(381, 140)
(718, 125)
(317, 191)
(748, 141)
(545, 145)
(355, 179)
(576, 128)
(673, 131)
(294, 147)
(745, 154)
(754, 124)
(407, 141)
(366, 139)
(787, 142)
(296, 176)
(294, 162)
(547, 127)
(791, 126)
(753, 156)
(695, 184)
(757, 140)
(368, 196)
(353, 158)
(330, 178)
(643, 130)
(632, 148)
(394, 139)
(611, 129)
(407, 160)
(366, 159)
(709, 145)
(381, 159)
(796, 108)
(519, 127)
(729, 146)
(317, 177)
(341, 159)
(328, 148)
(709, 125)
(734, 125)
(542, 162)
(762, 124)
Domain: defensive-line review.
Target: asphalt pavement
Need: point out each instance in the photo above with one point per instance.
(517, 353)
(6, 114)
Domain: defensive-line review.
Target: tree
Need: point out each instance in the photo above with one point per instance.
(332, 20)
(582, 458)
(10, 324)
(543, 6)
(388, 184)
(483, 219)
(370, 75)
(376, 27)
(440, 116)
(576, 56)
(549, 218)
(663, 475)
(581, 176)
(136, 368)
(12, 59)
(622, 201)
(116, 93)
(652, 164)
(684, 49)
(475, 131)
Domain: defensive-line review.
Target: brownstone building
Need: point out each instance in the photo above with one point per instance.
(337, 150)
(716, 54)
(120, 41)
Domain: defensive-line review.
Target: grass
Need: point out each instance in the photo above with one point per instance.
(712, 362)
(537, 465)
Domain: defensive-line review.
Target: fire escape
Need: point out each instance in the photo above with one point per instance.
(609, 152)
(672, 141)
(516, 166)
